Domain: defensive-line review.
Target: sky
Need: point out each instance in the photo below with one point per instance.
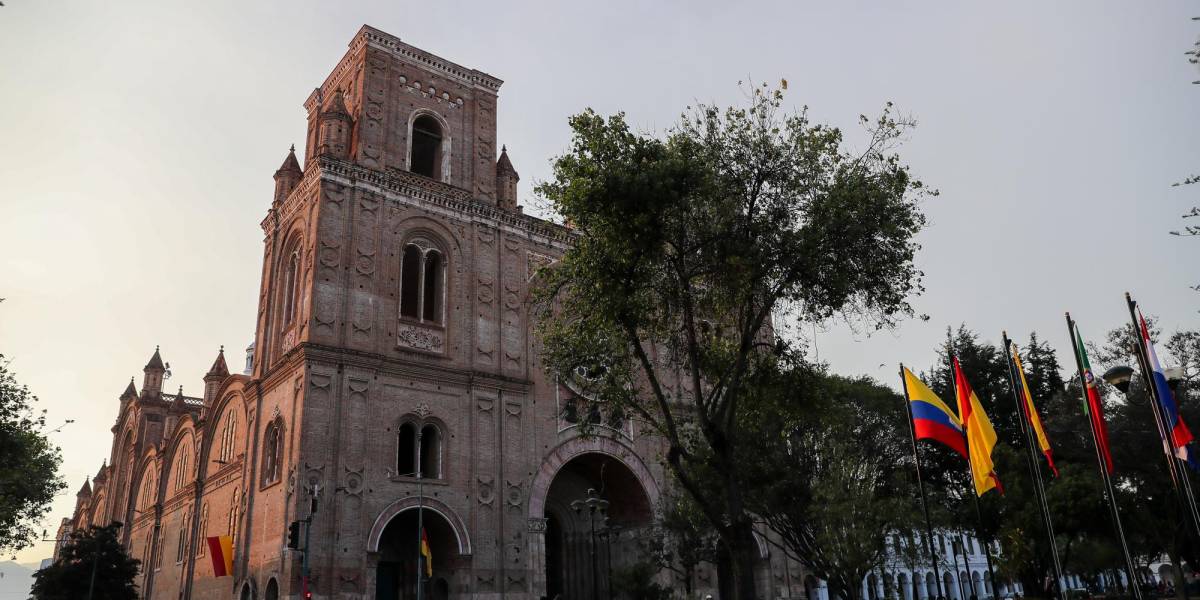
(139, 139)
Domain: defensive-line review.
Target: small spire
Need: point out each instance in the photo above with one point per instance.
(290, 164)
(130, 391)
(86, 490)
(156, 361)
(219, 368)
(504, 165)
(335, 105)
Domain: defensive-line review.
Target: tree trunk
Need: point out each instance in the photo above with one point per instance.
(744, 557)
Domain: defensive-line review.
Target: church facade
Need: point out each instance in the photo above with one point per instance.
(394, 380)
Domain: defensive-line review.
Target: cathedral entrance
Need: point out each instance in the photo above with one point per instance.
(399, 551)
(584, 542)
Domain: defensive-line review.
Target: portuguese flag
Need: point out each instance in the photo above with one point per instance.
(1093, 407)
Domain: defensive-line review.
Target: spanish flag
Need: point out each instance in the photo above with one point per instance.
(426, 554)
(981, 438)
(1031, 413)
(221, 550)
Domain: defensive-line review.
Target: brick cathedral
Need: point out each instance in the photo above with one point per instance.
(393, 340)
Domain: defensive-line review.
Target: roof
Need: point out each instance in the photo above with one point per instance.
(130, 391)
(156, 361)
(219, 368)
(504, 164)
(290, 164)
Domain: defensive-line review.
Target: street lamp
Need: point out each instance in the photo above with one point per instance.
(594, 505)
(1119, 377)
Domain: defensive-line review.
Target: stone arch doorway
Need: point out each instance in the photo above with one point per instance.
(581, 547)
(398, 549)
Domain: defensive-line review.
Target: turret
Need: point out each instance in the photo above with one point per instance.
(287, 177)
(333, 137)
(506, 181)
(130, 392)
(152, 383)
(216, 374)
(84, 492)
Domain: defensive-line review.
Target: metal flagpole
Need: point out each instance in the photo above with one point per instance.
(420, 521)
(1109, 492)
(1178, 472)
(1035, 467)
(970, 471)
(921, 484)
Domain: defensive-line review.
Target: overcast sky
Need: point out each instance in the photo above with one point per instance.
(138, 140)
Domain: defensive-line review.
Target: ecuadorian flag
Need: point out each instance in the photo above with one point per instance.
(932, 419)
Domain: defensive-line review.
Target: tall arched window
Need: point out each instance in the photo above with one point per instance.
(406, 450)
(290, 277)
(422, 284)
(431, 452)
(181, 545)
(272, 447)
(228, 436)
(202, 532)
(148, 494)
(425, 154)
(181, 466)
(234, 513)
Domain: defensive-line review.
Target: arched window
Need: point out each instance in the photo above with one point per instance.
(158, 549)
(148, 491)
(290, 277)
(422, 284)
(228, 436)
(428, 448)
(272, 447)
(272, 590)
(431, 452)
(425, 154)
(234, 510)
(406, 450)
(181, 466)
(432, 288)
(181, 545)
(202, 532)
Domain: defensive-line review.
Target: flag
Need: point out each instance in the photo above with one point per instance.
(932, 419)
(981, 438)
(1031, 413)
(221, 550)
(426, 554)
(1094, 407)
(1179, 433)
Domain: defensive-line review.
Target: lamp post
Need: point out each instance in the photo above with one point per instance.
(594, 505)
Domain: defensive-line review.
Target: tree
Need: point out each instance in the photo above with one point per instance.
(838, 480)
(693, 252)
(92, 559)
(684, 539)
(28, 464)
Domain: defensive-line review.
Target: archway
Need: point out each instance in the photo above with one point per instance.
(931, 588)
(948, 585)
(399, 553)
(584, 547)
(905, 589)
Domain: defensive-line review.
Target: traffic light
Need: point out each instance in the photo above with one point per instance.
(294, 535)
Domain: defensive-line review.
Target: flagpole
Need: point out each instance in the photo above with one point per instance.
(1035, 467)
(987, 552)
(1109, 492)
(1178, 471)
(912, 433)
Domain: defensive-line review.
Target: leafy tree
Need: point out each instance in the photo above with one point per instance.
(93, 559)
(685, 539)
(838, 480)
(694, 251)
(28, 464)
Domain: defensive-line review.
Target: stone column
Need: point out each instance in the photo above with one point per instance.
(537, 557)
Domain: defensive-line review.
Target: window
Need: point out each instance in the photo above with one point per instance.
(429, 450)
(234, 509)
(148, 490)
(228, 435)
(422, 283)
(271, 453)
(181, 466)
(202, 532)
(406, 460)
(425, 156)
(290, 277)
(158, 549)
(181, 546)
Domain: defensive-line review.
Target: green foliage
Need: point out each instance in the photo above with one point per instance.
(836, 479)
(636, 582)
(28, 464)
(94, 555)
(695, 249)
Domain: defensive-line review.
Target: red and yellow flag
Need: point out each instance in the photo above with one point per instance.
(1031, 413)
(981, 437)
(426, 554)
(221, 550)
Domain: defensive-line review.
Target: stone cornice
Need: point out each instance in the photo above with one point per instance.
(394, 184)
(392, 45)
(404, 368)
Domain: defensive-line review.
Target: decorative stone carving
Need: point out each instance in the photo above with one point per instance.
(353, 482)
(487, 493)
(423, 410)
(359, 387)
(329, 254)
(365, 263)
(513, 495)
(486, 404)
(487, 291)
(486, 236)
(419, 338)
(537, 525)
